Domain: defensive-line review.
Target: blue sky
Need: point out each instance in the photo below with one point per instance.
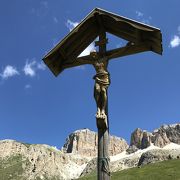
(36, 107)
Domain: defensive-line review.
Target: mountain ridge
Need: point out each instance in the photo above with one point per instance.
(78, 155)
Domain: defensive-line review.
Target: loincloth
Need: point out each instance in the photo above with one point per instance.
(102, 79)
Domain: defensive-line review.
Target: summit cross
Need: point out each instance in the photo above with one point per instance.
(140, 37)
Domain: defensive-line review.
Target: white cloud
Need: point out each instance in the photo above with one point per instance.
(32, 67)
(55, 20)
(179, 29)
(41, 10)
(29, 68)
(89, 49)
(142, 18)
(45, 4)
(175, 41)
(71, 25)
(9, 71)
(145, 21)
(28, 86)
(139, 14)
(41, 66)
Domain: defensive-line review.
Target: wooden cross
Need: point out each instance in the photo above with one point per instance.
(140, 38)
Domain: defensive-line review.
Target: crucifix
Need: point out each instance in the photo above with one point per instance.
(65, 54)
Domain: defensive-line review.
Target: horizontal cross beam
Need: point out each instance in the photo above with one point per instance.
(111, 54)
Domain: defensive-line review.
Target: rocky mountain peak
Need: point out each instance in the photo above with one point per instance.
(159, 137)
(84, 143)
(140, 138)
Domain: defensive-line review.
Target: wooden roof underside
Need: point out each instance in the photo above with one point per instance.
(86, 32)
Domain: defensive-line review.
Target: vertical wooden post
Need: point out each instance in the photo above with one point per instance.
(103, 155)
(103, 133)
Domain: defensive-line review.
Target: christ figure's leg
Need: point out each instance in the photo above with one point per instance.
(103, 101)
(97, 96)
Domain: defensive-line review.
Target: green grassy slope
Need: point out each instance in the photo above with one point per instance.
(11, 168)
(166, 170)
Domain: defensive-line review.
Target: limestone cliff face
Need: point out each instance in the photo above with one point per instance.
(78, 156)
(81, 142)
(40, 161)
(166, 134)
(136, 138)
(159, 137)
(84, 143)
(141, 139)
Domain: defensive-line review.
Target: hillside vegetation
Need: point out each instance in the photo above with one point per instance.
(166, 170)
(11, 168)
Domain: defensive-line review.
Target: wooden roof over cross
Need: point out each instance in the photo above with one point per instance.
(142, 37)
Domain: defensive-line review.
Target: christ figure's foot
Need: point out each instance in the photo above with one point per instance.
(98, 114)
(103, 115)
